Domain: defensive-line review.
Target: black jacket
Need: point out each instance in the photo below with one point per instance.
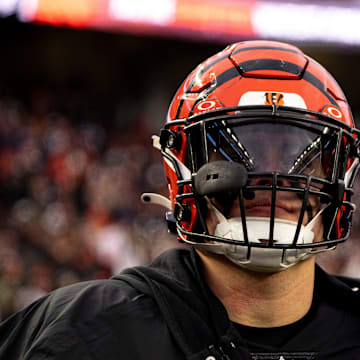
(164, 311)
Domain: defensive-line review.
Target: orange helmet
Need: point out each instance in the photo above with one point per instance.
(260, 117)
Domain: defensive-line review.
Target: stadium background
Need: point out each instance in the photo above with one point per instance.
(77, 111)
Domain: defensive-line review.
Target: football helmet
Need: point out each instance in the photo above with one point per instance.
(260, 152)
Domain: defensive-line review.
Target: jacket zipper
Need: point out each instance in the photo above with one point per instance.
(219, 353)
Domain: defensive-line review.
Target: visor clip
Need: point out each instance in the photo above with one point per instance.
(274, 110)
(171, 222)
(170, 139)
(182, 212)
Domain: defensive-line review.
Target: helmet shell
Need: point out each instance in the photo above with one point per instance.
(258, 66)
(251, 73)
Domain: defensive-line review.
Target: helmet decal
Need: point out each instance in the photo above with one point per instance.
(272, 98)
(333, 112)
(207, 105)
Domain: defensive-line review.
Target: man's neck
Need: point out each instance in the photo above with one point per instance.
(260, 299)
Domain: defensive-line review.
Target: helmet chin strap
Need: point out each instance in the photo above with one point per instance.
(258, 229)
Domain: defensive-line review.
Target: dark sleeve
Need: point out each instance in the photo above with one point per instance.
(62, 346)
(61, 324)
(37, 333)
(101, 320)
(59, 343)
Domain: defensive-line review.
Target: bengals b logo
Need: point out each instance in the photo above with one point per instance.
(274, 98)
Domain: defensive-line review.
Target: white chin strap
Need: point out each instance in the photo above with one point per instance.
(258, 230)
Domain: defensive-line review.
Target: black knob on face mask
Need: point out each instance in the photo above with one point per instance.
(219, 176)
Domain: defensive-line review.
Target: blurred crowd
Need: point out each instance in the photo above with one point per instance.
(70, 206)
(70, 200)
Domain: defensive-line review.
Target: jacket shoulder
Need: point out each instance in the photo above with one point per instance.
(66, 319)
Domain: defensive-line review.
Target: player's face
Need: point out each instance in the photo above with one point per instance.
(287, 205)
(277, 155)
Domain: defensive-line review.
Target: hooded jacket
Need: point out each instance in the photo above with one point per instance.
(163, 311)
